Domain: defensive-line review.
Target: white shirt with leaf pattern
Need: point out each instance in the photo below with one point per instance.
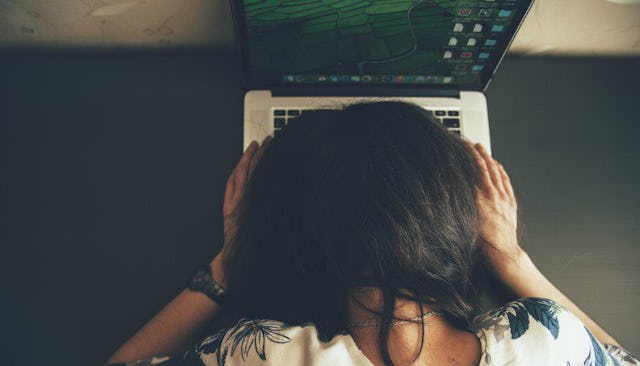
(527, 332)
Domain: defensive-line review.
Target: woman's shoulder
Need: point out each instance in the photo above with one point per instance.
(272, 342)
(513, 319)
(539, 331)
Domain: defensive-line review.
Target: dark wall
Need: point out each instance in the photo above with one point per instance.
(113, 169)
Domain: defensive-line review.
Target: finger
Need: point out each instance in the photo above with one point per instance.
(234, 173)
(506, 181)
(228, 190)
(240, 175)
(231, 183)
(485, 182)
(258, 155)
(246, 155)
(494, 173)
(468, 145)
(268, 139)
(498, 177)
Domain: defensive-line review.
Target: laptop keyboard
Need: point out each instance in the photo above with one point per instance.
(282, 116)
(450, 118)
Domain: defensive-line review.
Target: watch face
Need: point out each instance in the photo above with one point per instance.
(200, 280)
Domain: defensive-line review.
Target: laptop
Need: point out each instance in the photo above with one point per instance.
(298, 55)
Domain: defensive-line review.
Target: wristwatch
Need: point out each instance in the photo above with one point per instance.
(202, 281)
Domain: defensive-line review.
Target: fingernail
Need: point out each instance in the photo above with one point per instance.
(253, 143)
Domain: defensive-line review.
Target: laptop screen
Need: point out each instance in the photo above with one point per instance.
(364, 42)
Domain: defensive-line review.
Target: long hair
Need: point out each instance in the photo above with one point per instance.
(375, 194)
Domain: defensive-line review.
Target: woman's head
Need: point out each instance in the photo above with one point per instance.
(373, 194)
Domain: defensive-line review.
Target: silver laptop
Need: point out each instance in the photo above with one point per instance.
(306, 54)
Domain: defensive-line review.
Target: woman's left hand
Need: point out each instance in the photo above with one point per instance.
(234, 191)
(236, 185)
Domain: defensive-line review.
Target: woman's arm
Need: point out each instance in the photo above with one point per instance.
(498, 212)
(525, 280)
(174, 328)
(179, 323)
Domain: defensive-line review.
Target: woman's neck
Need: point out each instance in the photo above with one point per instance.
(443, 343)
(366, 305)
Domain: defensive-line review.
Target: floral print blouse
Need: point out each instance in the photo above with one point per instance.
(529, 331)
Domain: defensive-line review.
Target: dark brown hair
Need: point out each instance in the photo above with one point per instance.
(379, 189)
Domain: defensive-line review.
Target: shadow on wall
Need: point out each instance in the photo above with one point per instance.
(122, 23)
(568, 27)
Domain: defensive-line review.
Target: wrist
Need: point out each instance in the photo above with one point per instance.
(524, 279)
(217, 270)
(513, 268)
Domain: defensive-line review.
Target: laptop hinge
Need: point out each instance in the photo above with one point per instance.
(301, 91)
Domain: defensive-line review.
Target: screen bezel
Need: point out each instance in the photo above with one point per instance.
(237, 10)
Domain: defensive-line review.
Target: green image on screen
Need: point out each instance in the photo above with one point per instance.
(289, 38)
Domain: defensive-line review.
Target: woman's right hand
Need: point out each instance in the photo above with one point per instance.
(499, 242)
(498, 212)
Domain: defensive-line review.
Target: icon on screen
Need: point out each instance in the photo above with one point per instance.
(447, 55)
(453, 41)
(355, 78)
(333, 78)
(458, 27)
(322, 78)
(504, 13)
(483, 55)
(477, 28)
(420, 79)
(366, 78)
(490, 42)
(299, 78)
(288, 78)
(484, 12)
(344, 78)
(399, 79)
(497, 28)
(466, 54)
(447, 79)
(478, 67)
(461, 67)
(464, 12)
(387, 78)
(471, 42)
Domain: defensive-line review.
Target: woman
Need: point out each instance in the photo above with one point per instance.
(352, 239)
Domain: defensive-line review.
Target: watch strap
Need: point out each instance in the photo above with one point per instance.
(202, 281)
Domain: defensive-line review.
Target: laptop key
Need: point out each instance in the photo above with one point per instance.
(278, 122)
(451, 122)
(440, 113)
(279, 112)
(276, 132)
(293, 112)
(455, 132)
(454, 113)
